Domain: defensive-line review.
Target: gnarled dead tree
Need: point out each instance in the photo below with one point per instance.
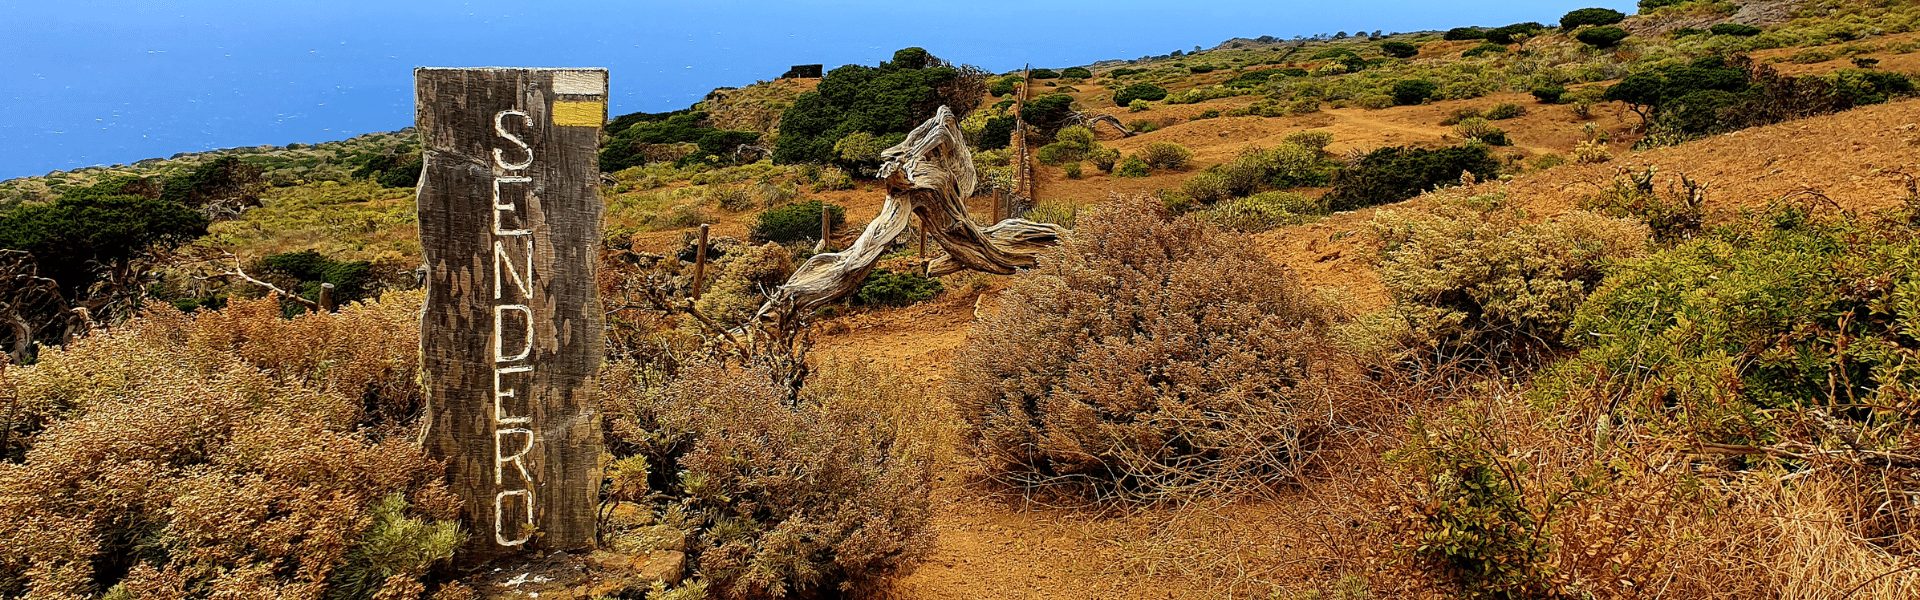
(929, 175)
(1091, 119)
(32, 308)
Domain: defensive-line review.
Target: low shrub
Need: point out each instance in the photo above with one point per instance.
(781, 496)
(1515, 33)
(1477, 129)
(888, 288)
(1715, 332)
(1676, 214)
(1148, 358)
(1139, 91)
(1549, 94)
(1044, 74)
(795, 222)
(1133, 166)
(1479, 285)
(1103, 158)
(1591, 16)
(1407, 92)
(739, 282)
(1397, 173)
(1076, 72)
(1316, 140)
(730, 198)
(1465, 33)
(1483, 50)
(1734, 29)
(1504, 111)
(1601, 37)
(1399, 49)
(1072, 170)
(998, 132)
(1166, 155)
(226, 453)
(1264, 211)
(1138, 105)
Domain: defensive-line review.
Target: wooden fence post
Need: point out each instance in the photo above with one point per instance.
(512, 331)
(826, 227)
(700, 261)
(326, 297)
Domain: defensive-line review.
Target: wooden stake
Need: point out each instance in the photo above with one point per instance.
(326, 297)
(826, 227)
(700, 262)
(512, 333)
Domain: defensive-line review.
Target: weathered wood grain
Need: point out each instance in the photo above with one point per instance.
(513, 415)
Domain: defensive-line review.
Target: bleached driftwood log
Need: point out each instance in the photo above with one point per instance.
(930, 174)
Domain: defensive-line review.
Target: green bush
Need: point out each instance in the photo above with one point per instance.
(1211, 113)
(1104, 158)
(1786, 308)
(1549, 94)
(1166, 155)
(1139, 91)
(1483, 285)
(1734, 29)
(1465, 33)
(1674, 215)
(1044, 74)
(1407, 92)
(1601, 37)
(1514, 33)
(1504, 111)
(1591, 16)
(1133, 166)
(887, 288)
(998, 132)
(1264, 211)
(1478, 129)
(1316, 140)
(1202, 69)
(892, 98)
(352, 279)
(795, 222)
(96, 226)
(1073, 143)
(1048, 113)
(1483, 50)
(1399, 49)
(1397, 173)
(1476, 525)
(1076, 72)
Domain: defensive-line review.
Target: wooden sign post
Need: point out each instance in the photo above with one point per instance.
(511, 335)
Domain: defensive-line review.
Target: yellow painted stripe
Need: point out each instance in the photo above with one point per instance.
(579, 113)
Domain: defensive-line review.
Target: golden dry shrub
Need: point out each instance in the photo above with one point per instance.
(1147, 356)
(741, 280)
(223, 453)
(827, 495)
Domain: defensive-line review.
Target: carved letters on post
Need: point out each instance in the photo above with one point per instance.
(511, 334)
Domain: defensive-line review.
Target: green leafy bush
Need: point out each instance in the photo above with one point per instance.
(1072, 170)
(352, 279)
(1504, 111)
(1479, 130)
(1104, 158)
(892, 98)
(1476, 523)
(1048, 113)
(1397, 173)
(1076, 72)
(1316, 140)
(998, 132)
(1200, 388)
(1139, 91)
(1483, 50)
(1399, 49)
(1004, 85)
(1675, 215)
(1133, 166)
(1787, 308)
(1407, 92)
(1165, 155)
(795, 222)
(888, 288)
(1514, 33)
(1465, 33)
(1073, 143)
(100, 225)
(1591, 16)
(1734, 29)
(1549, 94)
(1044, 74)
(1601, 37)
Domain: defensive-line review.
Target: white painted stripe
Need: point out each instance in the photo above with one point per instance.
(586, 83)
